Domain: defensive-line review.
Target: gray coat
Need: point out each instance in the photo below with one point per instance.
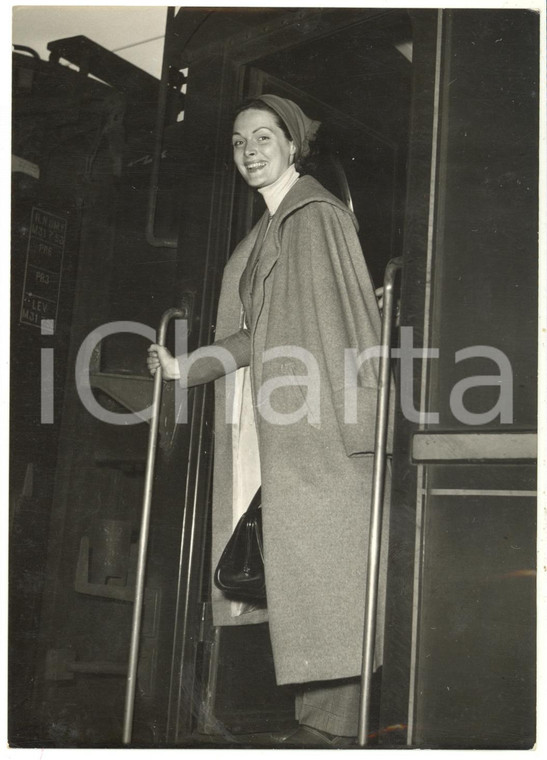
(311, 290)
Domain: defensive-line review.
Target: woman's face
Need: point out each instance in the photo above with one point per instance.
(261, 150)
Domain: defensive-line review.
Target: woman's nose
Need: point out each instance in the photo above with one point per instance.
(250, 149)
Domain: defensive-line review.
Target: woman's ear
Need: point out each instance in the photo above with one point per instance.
(292, 151)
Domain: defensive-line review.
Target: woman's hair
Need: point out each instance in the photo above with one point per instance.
(302, 165)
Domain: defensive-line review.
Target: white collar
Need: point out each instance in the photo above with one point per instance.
(273, 194)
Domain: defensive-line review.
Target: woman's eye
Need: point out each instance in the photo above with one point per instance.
(263, 137)
(237, 143)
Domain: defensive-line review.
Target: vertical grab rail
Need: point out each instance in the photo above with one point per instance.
(143, 537)
(377, 498)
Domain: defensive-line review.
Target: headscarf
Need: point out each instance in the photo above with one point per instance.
(301, 129)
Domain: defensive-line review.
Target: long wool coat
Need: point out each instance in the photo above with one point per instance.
(310, 290)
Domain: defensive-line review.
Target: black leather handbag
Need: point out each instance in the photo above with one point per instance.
(240, 569)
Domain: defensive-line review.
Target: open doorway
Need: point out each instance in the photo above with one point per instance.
(357, 82)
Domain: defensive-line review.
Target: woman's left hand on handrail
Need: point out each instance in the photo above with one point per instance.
(379, 293)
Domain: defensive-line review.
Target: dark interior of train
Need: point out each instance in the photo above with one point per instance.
(135, 178)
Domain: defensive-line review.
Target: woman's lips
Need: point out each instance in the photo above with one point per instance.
(255, 166)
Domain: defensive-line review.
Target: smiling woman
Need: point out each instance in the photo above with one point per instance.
(296, 286)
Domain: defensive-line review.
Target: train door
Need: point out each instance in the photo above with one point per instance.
(364, 144)
(457, 660)
(459, 667)
(364, 169)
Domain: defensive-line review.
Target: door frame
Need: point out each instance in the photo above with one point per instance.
(228, 61)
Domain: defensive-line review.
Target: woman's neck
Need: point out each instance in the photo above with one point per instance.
(273, 194)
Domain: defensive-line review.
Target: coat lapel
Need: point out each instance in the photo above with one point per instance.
(250, 273)
(302, 192)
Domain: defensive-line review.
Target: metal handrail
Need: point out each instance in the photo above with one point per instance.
(143, 537)
(377, 498)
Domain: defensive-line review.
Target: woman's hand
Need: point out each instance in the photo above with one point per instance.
(160, 356)
(379, 292)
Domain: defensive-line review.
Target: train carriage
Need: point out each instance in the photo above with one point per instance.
(125, 204)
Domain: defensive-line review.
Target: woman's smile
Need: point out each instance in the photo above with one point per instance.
(255, 166)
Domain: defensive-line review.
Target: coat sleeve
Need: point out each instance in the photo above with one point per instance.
(339, 319)
(209, 363)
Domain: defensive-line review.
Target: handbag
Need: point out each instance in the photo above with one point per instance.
(240, 569)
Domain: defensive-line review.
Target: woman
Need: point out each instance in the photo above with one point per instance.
(297, 307)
